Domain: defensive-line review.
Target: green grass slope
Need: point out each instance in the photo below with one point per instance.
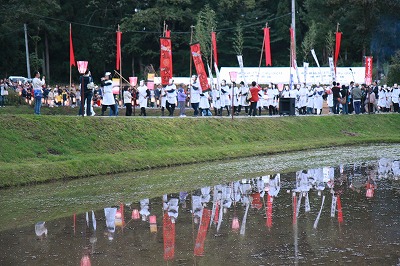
(37, 149)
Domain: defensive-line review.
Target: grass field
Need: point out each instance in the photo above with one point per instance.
(37, 149)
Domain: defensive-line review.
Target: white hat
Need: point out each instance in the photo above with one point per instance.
(107, 74)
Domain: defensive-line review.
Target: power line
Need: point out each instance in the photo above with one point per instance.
(144, 31)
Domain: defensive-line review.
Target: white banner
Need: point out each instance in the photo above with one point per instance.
(297, 71)
(281, 75)
(315, 57)
(305, 68)
(332, 68)
(240, 61)
(211, 78)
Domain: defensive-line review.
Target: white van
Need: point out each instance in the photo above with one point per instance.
(17, 79)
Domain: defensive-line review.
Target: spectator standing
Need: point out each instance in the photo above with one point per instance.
(336, 97)
(38, 83)
(182, 100)
(87, 93)
(356, 94)
(3, 92)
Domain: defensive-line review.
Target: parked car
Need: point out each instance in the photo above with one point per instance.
(19, 79)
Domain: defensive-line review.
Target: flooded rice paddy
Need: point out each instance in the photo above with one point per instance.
(338, 210)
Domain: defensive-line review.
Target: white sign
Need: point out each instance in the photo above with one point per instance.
(281, 75)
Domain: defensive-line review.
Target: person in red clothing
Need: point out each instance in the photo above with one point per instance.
(254, 89)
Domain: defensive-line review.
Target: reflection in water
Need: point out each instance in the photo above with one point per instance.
(347, 214)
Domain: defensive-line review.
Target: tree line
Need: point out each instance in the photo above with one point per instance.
(369, 28)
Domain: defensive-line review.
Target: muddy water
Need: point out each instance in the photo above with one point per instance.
(348, 214)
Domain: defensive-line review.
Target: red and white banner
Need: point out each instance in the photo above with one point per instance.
(368, 70)
(214, 46)
(118, 61)
(165, 60)
(169, 237)
(267, 44)
(337, 49)
(198, 63)
(71, 48)
(201, 235)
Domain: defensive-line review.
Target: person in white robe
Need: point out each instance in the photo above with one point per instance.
(107, 92)
(143, 96)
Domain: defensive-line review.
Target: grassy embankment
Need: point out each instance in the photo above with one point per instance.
(39, 149)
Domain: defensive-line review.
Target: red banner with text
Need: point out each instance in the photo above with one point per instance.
(201, 235)
(368, 70)
(169, 237)
(165, 60)
(214, 46)
(198, 63)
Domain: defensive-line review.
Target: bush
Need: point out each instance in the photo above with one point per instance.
(393, 74)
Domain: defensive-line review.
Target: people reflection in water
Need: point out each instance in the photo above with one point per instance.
(144, 209)
(110, 222)
(41, 230)
(197, 208)
(171, 206)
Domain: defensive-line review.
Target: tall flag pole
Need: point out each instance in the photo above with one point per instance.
(337, 48)
(118, 64)
(71, 55)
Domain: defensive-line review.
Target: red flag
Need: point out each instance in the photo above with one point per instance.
(267, 44)
(368, 70)
(198, 63)
(167, 34)
(214, 46)
(256, 202)
(169, 237)
(337, 49)
(340, 212)
(71, 48)
(269, 211)
(165, 60)
(118, 61)
(201, 235)
(292, 49)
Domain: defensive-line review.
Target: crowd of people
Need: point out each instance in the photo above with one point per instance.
(221, 99)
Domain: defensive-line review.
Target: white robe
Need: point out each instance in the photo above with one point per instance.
(108, 97)
(204, 104)
(142, 96)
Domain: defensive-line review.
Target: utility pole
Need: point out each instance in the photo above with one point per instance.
(294, 25)
(28, 67)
